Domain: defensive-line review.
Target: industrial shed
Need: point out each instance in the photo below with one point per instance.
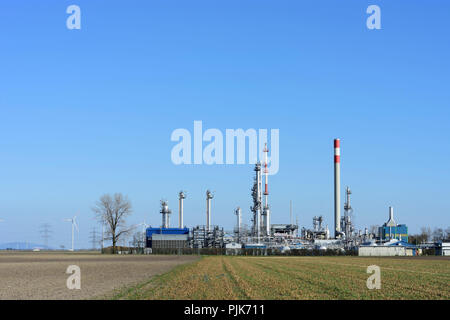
(167, 238)
(233, 248)
(380, 251)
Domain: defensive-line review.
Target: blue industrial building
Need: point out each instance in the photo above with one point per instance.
(390, 230)
(399, 232)
(168, 234)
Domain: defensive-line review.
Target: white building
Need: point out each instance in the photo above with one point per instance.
(396, 248)
(444, 248)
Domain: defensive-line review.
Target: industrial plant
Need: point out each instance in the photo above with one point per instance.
(262, 234)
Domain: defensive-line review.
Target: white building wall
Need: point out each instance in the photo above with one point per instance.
(379, 251)
(445, 249)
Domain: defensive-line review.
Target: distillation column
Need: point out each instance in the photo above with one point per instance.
(165, 211)
(239, 223)
(266, 193)
(346, 223)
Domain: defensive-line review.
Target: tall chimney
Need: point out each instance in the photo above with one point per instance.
(391, 222)
(239, 222)
(181, 197)
(259, 193)
(337, 187)
(209, 196)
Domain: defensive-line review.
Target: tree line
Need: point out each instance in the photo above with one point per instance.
(428, 235)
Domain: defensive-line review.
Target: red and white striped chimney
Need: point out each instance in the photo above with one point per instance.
(337, 187)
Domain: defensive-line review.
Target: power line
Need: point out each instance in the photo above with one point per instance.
(45, 231)
(95, 238)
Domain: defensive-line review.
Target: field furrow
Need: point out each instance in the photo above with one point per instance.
(282, 278)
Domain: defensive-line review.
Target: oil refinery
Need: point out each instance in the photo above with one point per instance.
(262, 234)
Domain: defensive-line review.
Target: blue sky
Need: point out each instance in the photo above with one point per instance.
(87, 112)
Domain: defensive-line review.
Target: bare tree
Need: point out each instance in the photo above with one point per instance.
(425, 233)
(112, 212)
(438, 234)
(138, 241)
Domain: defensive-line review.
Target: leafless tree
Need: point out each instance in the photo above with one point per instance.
(425, 233)
(112, 212)
(438, 234)
(447, 233)
(138, 240)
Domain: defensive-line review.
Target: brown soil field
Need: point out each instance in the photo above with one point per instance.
(42, 275)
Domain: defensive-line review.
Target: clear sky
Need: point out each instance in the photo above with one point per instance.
(87, 112)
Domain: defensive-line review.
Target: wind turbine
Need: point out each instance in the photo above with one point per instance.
(144, 228)
(74, 225)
